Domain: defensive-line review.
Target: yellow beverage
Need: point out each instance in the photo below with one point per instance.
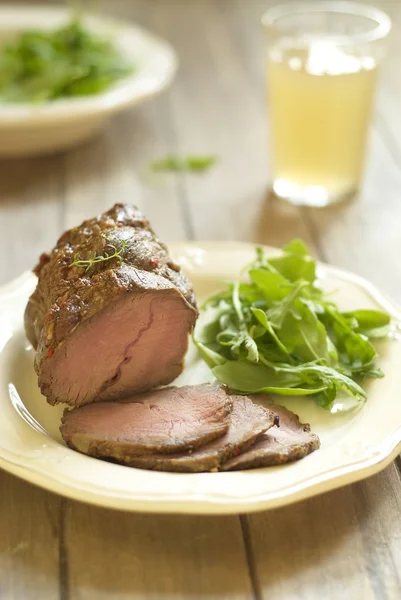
(319, 112)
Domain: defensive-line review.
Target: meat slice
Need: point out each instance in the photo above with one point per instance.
(290, 441)
(112, 327)
(248, 421)
(163, 421)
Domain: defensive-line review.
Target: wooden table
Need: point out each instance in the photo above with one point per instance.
(345, 544)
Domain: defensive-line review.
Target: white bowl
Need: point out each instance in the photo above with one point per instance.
(27, 129)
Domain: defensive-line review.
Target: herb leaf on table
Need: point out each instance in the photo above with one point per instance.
(191, 163)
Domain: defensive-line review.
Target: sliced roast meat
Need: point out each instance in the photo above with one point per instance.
(290, 441)
(163, 421)
(248, 421)
(112, 327)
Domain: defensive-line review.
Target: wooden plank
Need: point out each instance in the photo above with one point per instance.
(29, 547)
(390, 84)
(149, 557)
(363, 235)
(344, 544)
(30, 218)
(30, 214)
(112, 168)
(356, 236)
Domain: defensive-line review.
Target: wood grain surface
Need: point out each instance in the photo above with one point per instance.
(345, 544)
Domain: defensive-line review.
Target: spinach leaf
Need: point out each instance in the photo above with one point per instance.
(296, 247)
(354, 350)
(211, 358)
(247, 378)
(295, 267)
(279, 311)
(273, 287)
(263, 320)
(369, 320)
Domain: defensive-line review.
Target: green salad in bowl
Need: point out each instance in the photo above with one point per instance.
(39, 65)
(63, 74)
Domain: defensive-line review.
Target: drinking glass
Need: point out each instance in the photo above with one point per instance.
(322, 62)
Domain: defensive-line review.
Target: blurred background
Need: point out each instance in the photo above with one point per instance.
(216, 105)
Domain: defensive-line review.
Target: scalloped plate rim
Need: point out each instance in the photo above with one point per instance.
(198, 503)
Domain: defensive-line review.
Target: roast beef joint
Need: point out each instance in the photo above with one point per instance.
(116, 328)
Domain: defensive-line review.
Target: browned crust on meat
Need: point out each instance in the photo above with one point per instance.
(266, 452)
(122, 451)
(209, 462)
(67, 296)
(210, 457)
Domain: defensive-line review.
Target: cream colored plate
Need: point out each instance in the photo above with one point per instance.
(354, 445)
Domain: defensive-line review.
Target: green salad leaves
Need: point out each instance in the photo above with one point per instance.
(192, 163)
(39, 66)
(279, 333)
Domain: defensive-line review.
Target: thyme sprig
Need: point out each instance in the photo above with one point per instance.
(94, 259)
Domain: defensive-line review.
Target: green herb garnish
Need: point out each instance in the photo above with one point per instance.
(279, 333)
(94, 258)
(195, 164)
(39, 66)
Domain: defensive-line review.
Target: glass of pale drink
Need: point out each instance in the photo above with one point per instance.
(322, 63)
